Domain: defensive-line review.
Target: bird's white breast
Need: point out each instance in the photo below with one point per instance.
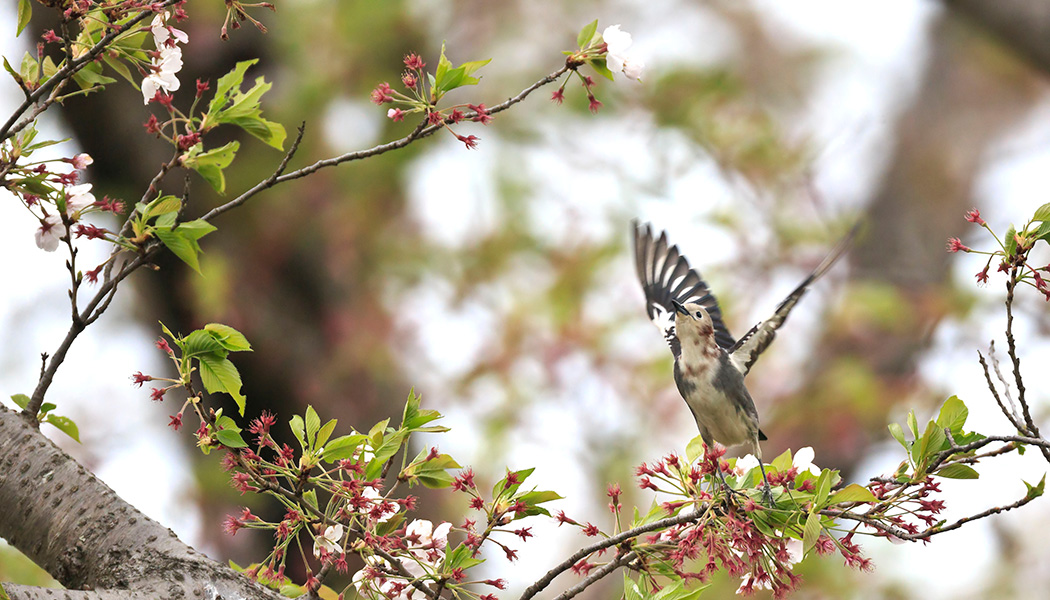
(720, 417)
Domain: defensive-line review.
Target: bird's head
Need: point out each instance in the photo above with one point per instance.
(692, 321)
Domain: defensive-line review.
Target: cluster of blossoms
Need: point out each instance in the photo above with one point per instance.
(422, 98)
(62, 207)
(422, 551)
(1013, 253)
(899, 502)
(730, 531)
(166, 61)
(612, 47)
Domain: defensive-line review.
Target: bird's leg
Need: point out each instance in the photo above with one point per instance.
(725, 484)
(767, 491)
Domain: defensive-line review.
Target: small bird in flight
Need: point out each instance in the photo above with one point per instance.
(709, 365)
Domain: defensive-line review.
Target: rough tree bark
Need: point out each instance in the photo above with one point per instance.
(77, 529)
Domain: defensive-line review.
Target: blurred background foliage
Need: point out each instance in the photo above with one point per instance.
(498, 282)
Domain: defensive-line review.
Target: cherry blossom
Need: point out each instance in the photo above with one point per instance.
(803, 461)
(330, 540)
(164, 68)
(78, 197)
(50, 232)
(617, 58)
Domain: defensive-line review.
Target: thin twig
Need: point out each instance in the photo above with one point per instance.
(609, 542)
(421, 131)
(995, 394)
(600, 573)
(1011, 349)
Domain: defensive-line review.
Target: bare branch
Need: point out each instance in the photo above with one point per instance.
(421, 131)
(609, 542)
(598, 574)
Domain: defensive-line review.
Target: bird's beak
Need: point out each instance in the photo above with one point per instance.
(679, 308)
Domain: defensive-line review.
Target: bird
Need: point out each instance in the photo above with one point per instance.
(709, 364)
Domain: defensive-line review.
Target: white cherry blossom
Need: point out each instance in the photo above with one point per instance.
(162, 77)
(330, 540)
(78, 197)
(803, 461)
(50, 232)
(617, 57)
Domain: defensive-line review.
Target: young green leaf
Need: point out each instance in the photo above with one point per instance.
(25, 12)
(953, 415)
(695, 448)
(1034, 491)
(21, 400)
(210, 164)
(1042, 213)
(343, 447)
(313, 423)
(852, 493)
(219, 375)
(958, 471)
(228, 337)
(811, 532)
(230, 438)
(583, 39)
(65, 425)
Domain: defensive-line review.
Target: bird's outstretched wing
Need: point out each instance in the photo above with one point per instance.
(746, 350)
(666, 276)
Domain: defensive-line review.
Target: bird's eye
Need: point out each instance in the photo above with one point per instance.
(699, 315)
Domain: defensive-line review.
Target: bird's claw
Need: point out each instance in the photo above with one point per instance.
(767, 495)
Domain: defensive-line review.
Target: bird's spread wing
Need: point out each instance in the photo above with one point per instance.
(666, 276)
(745, 351)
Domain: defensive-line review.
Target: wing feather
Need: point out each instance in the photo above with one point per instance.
(747, 349)
(665, 275)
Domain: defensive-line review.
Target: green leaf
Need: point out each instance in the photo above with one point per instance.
(1042, 213)
(501, 485)
(210, 164)
(271, 133)
(598, 64)
(435, 480)
(182, 241)
(14, 74)
(324, 433)
(299, 429)
(811, 532)
(391, 444)
(461, 558)
(782, 462)
(630, 588)
(21, 400)
(413, 418)
(201, 342)
(230, 438)
(852, 493)
(226, 83)
(313, 423)
(538, 497)
(823, 487)
(1034, 491)
(65, 425)
(448, 78)
(583, 39)
(695, 448)
(228, 337)
(958, 471)
(1043, 233)
(913, 425)
(219, 375)
(898, 434)
(28, 68)
(343, 447)
(119, 67)
(25, 12)
(91, 75)
(1010, 241)
(47, 407)
(953, 415)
